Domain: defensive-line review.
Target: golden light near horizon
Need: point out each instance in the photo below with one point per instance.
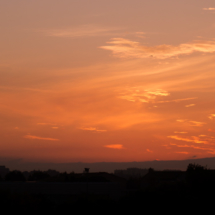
(107, 81)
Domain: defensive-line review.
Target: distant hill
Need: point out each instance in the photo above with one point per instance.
(78, 167)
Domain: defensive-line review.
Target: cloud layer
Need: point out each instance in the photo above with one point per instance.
(124, 48)
(209, 8)
(32, 137)
(115, 146)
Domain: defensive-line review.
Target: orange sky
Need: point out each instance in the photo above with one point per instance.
(107, 80)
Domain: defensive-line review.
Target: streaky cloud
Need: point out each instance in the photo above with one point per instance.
(192, 123)
(195, 123)
(176, 100)
(148, 150)
(212, 116)
(209, 150)
(191, 105)
(144, 96)
(32, 137)
(124, 48)
(194, 140)
(92, 129)
(209, 8)
(114, 146)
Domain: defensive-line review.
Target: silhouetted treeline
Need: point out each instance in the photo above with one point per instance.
(53, 176)
(195, 175)
(15, 176)
(131, 173)
(30, 176)
(200, 178)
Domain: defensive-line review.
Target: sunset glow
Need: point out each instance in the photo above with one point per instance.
(107, 81)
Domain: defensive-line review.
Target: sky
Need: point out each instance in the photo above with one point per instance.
(107, 80)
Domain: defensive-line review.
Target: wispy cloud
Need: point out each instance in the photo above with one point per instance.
(40, 138)
(158, 92)
(181, 120)
(115, 146)
(148, 150)
(176, 100)
(195, 123)
(212, 116)
(191, 123)
(92, 129)
(137, 94)
(140, 34)
(209, 8)
(194, 140)
(145, 96)
(211, 130)
(209, 149)
(81, 31)
(191, 105)
(124, 48)
(182, 146)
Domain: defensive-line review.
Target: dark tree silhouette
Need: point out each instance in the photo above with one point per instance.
(195, 168)
(200, 179)
(150, 170)
(38, 176)
(15, 176)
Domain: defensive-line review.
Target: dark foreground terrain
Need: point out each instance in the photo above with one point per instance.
(155, 191)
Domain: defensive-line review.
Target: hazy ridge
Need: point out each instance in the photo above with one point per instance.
(78, 167)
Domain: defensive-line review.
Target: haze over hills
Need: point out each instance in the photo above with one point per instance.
(78, 167)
